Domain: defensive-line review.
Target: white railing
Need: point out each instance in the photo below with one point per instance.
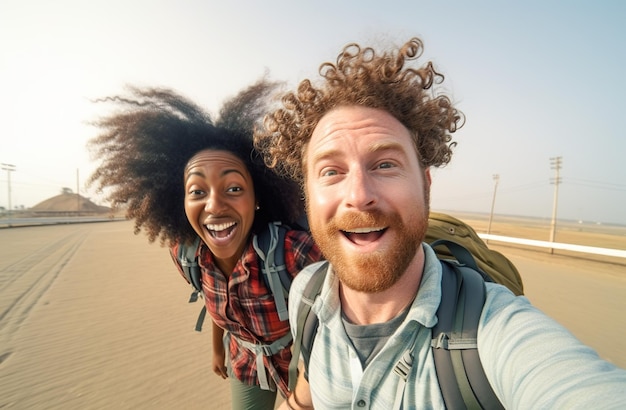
(565, 246)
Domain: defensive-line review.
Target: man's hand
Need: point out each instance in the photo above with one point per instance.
(300, 398)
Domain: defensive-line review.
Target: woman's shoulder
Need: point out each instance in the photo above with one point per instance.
(302, 243)
(299, 234)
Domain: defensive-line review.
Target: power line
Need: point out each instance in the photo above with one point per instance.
(525, 187)
(609, 186)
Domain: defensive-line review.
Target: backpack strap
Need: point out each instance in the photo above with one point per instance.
(461, 377)
(264, 350)
(188, 259)
(462, 255)
(306, 324)
(402, 369)
(269, 245)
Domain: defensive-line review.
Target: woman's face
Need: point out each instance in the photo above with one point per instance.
(220, 204)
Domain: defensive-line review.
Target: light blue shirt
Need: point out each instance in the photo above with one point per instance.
(531, 361)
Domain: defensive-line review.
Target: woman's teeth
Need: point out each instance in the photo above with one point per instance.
(219, 227)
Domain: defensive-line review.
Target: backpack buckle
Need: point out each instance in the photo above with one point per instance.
(441, 341)
(403, 366)
(267, 350)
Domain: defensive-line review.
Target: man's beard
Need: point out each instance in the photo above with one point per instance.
(377, 271)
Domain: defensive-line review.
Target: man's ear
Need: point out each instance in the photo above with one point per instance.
(427, 177)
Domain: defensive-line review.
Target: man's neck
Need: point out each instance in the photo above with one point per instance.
(367, 308)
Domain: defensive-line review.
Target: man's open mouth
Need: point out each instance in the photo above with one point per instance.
(364, 235)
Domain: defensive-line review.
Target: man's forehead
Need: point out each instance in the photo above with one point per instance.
(373, 129)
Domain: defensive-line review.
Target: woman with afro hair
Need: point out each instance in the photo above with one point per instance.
(182, 176)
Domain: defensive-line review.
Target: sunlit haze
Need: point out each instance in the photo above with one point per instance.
(536, 80)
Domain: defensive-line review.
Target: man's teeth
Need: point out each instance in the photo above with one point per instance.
(364, 230)
(219, 227)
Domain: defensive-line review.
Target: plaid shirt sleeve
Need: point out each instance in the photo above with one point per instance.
(300, 251)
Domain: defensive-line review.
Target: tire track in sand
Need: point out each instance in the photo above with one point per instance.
(25, 281)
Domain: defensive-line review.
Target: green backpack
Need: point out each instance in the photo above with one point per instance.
(497, 266)
(467, 263)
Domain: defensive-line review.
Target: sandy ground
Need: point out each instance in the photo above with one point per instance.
(92, 316)
(95, 317)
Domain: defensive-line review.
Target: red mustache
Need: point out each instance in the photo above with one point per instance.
(353, 220)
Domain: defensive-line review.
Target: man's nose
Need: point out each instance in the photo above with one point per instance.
(360, 190)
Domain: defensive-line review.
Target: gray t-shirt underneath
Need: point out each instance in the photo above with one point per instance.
(368, 340)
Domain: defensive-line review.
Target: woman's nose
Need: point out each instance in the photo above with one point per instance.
(214, 203)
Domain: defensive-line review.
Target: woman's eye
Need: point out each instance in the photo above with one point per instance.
(234, 189)
(196, 192)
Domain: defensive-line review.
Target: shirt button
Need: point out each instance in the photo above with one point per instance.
(361, 403)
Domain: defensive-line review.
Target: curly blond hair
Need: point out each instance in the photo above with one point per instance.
(363, 77)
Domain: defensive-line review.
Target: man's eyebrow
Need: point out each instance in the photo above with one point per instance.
(386, 146)
(325, 154)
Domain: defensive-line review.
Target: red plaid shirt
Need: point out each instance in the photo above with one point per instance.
(243, 305)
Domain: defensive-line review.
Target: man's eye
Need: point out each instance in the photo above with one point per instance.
(329, 173)
(385, 165)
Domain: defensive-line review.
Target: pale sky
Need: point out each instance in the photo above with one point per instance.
(535, 79)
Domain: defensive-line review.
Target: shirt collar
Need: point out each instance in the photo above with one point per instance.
(424, 306)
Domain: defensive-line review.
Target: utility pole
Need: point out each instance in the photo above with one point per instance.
(9, 168)
(555, 163)
(77, 194)
(496, 178)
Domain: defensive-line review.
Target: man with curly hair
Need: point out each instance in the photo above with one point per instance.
(361, 144)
